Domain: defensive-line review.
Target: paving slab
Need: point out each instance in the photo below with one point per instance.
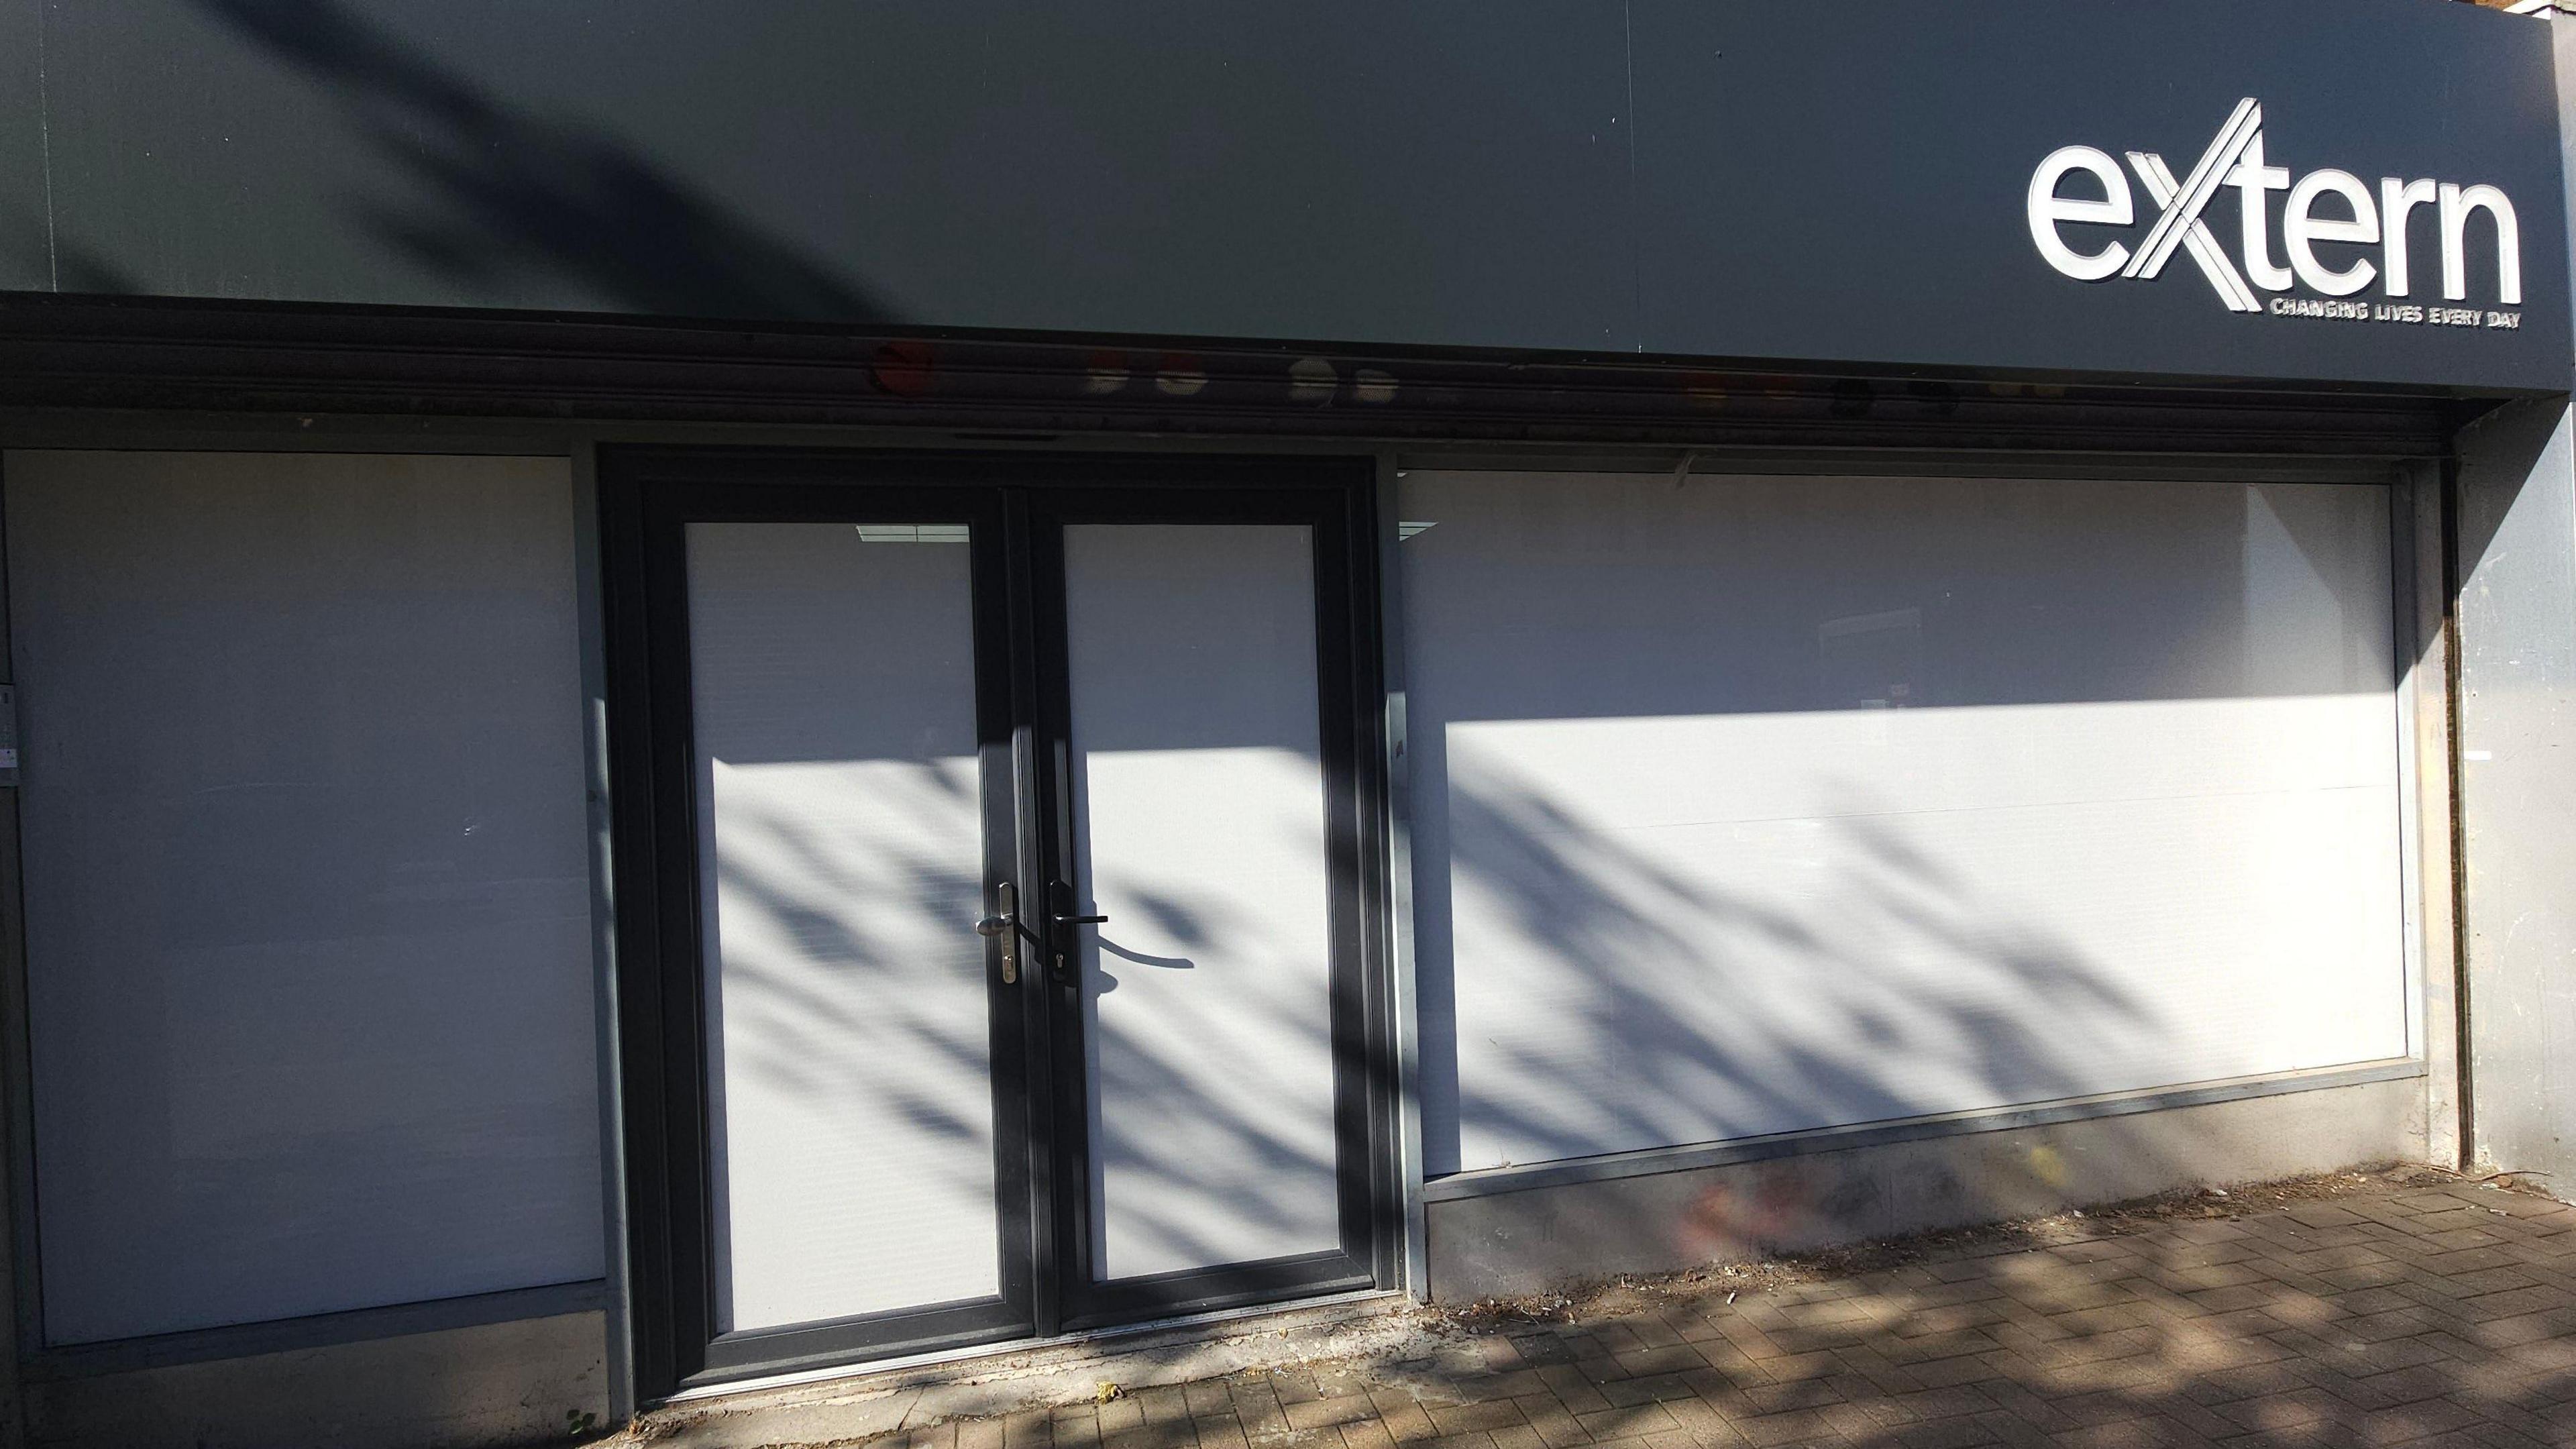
(2401, 1308)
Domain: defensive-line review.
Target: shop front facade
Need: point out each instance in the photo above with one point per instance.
(703, 698)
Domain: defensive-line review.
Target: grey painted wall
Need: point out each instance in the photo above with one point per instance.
(1838, 183)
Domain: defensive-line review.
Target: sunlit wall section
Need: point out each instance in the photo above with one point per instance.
(1749, 805)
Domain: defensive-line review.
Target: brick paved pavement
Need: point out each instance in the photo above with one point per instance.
(2435, 1315)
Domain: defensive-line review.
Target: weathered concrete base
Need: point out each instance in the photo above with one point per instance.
(533, 1381)
(1536, 1239)
(460, 1388)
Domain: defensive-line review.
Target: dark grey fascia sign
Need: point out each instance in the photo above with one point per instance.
(2346, 192)
(2256, 190)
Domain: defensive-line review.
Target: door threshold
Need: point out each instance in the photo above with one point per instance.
(1038, 1359)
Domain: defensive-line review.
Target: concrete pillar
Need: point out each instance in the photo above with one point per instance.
(2517, 784)
(2515, 564)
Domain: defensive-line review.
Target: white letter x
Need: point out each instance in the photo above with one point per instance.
(2196, 239)
(2180, 223)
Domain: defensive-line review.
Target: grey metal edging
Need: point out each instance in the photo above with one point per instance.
(180, 430)
(321, 1330)
(25, 1323)
(589, 611)
(1416, 1257)
(2072, 464)
(2465, 1004)
(2430, 889)
(2402, 686)
(1909, 1129)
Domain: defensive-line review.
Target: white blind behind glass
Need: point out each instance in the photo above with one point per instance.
(841, 859)
(1757, 805)
(1200, 811)
(307, 883)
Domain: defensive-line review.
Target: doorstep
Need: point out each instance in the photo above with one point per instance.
(835, 1406)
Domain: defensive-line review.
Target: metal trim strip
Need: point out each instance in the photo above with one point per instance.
(1651, 1161)
(320, 1330)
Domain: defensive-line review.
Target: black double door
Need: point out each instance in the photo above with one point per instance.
(1008, 965)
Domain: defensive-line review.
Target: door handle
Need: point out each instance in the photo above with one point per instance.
(1064, 972)
(1061, 892)
(1063, 920)
(1005, 924)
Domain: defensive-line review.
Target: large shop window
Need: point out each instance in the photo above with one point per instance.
(1755, 805)
(307, 907)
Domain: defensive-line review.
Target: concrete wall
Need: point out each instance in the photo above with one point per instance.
(2517, 629)
(2516, 564)
(532, 1381)
(1524, 1242)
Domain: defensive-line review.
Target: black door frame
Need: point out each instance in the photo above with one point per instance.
(1087, 1301)
(645, 494)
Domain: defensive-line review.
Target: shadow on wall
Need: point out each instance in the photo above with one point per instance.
(1821, 957)
(815, 911)
(2014, 1015)
(1761, 806)
(862, 906)
(517, 194)
(1840, 963)
(836, 707)
(2018, 1013)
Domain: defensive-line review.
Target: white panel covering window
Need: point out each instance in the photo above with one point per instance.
(841, 851)
(1755, 805)
(306, 880)
(1208, 992)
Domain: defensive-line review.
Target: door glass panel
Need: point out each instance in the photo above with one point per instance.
(1199, 820)
(841, 851)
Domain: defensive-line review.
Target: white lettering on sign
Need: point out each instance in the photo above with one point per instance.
(2048, 209)
(2336, 235)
